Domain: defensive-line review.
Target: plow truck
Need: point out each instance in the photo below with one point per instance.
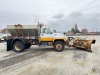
(23, 36)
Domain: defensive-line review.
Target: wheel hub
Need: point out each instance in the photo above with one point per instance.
(17, 47)
(59, 46)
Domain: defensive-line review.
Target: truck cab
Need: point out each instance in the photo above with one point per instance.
(58, 40)
(48, 35)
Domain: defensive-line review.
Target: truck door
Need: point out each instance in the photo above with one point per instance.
(46, 35)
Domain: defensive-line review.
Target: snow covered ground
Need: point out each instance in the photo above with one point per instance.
(45, 61)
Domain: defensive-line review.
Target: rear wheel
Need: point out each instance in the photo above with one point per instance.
(59, 46)
(18, 46)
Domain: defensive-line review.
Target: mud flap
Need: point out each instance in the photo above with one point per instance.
(9, 46)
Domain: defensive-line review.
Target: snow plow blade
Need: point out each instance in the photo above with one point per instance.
(83, 44)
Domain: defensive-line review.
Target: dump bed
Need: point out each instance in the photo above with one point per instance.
(23, 30)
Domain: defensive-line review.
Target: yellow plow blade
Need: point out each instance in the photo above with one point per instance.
(84, 44)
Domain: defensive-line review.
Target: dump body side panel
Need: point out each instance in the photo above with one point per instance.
(23, 31)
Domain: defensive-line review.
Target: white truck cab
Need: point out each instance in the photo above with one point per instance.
(48, 35)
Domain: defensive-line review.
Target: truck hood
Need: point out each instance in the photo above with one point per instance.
(59, 35)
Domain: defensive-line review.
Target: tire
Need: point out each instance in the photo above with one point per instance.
(59, 46)
(18, 46)
(28, 46)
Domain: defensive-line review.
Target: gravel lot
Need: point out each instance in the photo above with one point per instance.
(45, 61)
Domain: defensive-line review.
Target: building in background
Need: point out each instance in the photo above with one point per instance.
(84, 31)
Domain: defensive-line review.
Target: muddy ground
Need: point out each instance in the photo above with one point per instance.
(45, 61)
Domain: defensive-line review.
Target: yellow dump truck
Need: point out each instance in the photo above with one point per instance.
(23, 36)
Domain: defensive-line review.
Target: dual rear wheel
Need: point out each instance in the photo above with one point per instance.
(19, 46)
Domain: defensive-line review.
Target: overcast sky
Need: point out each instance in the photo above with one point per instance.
(58, 14)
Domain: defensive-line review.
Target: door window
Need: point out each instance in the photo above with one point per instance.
(46, 31)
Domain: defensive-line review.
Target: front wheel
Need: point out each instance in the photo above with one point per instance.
(59, 46)
(18, 46)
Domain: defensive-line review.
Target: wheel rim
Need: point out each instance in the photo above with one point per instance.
(58, 46)
(18, 47)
